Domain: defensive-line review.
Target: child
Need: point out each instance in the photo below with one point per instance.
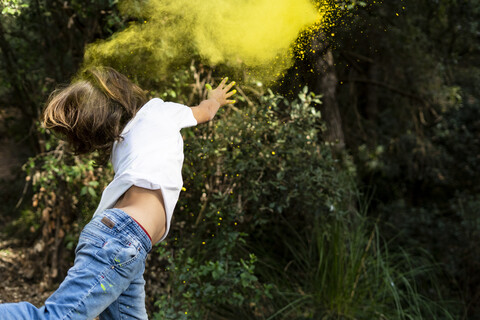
(104, 111)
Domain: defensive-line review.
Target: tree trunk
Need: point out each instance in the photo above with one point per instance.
(372, 93)
(326, 84)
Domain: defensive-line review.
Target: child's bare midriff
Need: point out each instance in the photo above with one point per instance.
(146, 207)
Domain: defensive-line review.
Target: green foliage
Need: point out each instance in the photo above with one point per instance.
(202, 285)
(57, 173)
(12, 7)
(354, 3)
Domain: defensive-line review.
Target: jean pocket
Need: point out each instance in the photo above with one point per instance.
(126, 255)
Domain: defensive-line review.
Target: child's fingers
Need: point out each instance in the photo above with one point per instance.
(223, 82)
(230, 85)
(231, 101)
(208, 86)
(231, 93)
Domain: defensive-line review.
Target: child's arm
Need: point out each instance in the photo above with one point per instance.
(217, 98)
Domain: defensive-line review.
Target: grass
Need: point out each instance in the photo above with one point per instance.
(339, 268)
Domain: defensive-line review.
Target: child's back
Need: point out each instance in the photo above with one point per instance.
(149, 160)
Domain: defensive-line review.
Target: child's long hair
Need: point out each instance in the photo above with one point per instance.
(92, 111)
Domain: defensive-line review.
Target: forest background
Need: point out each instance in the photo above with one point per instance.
(347, 189)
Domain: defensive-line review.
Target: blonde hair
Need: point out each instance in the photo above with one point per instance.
(92, 111)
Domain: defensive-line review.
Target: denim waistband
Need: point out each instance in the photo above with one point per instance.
(122, 223)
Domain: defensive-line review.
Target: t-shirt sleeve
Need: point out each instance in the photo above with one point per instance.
(180, 114)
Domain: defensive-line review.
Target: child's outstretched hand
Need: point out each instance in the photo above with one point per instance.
(217, 98)
(222, 93)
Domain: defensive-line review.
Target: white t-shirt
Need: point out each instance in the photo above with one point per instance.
(151, 154)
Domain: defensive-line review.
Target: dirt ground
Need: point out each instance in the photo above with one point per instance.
(16, 284)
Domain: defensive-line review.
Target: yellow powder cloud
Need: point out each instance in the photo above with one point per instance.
(256, 34)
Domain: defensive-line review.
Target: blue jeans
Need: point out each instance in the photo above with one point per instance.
(106, 278)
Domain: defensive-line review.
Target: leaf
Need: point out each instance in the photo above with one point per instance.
(91, 191)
